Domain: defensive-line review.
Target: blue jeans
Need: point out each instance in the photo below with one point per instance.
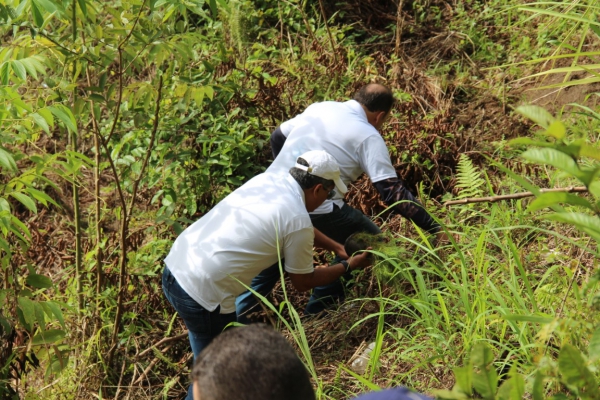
(203, 325)
(338, 225)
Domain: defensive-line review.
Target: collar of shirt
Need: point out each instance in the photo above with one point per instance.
(357, 108)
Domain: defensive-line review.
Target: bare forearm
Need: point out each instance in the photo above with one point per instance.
(325, 242)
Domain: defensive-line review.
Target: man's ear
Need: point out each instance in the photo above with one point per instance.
(380, 117)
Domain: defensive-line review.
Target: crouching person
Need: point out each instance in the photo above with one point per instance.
(261, 222)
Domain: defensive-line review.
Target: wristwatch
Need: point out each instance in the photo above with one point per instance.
(346, 265)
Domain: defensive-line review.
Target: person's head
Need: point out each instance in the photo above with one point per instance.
(318, 174)
(250, 363)
(377, 101)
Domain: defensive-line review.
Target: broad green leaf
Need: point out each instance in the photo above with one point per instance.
(481, 355)
(215, 13)
(548, 199)
(19, 69)
(5, 72)
(41, 122)
(449, 394)
(47, 114)
(29, 66)
(40, 317)
(537, 389)
(48, 337)
(464, 379)
(554, 158)
(38, 18)
(209, 91)
(41, 196)
(47, 5)
(7, 161)
(82, 6)
(513, 388)
(578, 219)
(572, 367)
(57, 312)
(28, 309)
(537, 114)
(39, 281)
(557, 130)
(594, 346)
(65, 115)
(25, 200)
(590, 151)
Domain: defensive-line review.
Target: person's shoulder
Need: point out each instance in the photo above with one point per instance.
(398, 393)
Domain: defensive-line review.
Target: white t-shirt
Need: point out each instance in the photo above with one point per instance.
(240, 237)
(342, 130)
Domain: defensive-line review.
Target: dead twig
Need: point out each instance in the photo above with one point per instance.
(514, 196)
(163, 341)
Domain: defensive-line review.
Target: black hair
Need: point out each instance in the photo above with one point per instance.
(375, 97)
(306, 180)
(250, 363)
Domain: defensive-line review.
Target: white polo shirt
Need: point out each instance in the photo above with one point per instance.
(240, 237)
(342, 130)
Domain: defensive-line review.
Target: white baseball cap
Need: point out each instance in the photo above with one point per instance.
(323, 165)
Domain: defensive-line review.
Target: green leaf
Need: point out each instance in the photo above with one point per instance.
(213, 8)
(41, 122)
(485, 381)
(65, 115)
(25, 200)
(594, 346)
(556, 130)
(529, 142)
(48, 337)
(39, 281)
(41, 196)
(537, 389)
(548, 199)
(481, 355)
(7, 161)
(537, 319)
(28, 309)
(5, 72)
(82, 6)
(574, 372)
(513, 388)
(583, 221)
(537, 114)
(464, 379)
(47, 114)
(57, 312)
(590, 151)
(38, 18)
(19, 69)
(555, 158)
(46, 5)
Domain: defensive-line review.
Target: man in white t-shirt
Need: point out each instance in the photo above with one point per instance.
(263, 221)
(349, 131)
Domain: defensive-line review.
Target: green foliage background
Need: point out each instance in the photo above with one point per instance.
(123, 121)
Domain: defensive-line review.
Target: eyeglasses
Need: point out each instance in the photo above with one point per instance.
(331, 193)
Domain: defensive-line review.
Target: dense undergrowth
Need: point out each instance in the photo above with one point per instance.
(122, 122)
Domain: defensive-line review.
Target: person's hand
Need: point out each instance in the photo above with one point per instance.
(360, 261)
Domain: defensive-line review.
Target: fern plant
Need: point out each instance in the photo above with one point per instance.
(469, 180)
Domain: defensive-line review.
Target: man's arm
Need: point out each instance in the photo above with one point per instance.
(323, 275)
(393, 190)
(277, 141)
(325, 242)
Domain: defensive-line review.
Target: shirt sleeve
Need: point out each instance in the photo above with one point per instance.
(393, 191)
(374, 159)
(298, 251)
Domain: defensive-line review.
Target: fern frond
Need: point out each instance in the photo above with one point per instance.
(469, 180)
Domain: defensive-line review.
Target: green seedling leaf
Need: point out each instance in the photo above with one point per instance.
(449, 394)
(38, 281)
(512, 389)
(28, 309)
(525, 141)
(25, 200)
(549, 199)
(557, 130)
(481, 355)
(537, 114)
(48, 337)
(594, 346)
(485, 380)
(590, 151)
(7, 161)
(574, 371)
(65, 115)
(578, 219)
(41, 196)
(537, 389)
(38, 18)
